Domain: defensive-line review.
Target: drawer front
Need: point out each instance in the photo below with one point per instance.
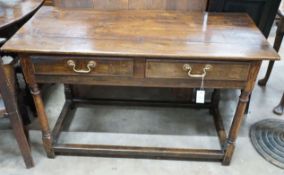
(83, 66)
(237, 71)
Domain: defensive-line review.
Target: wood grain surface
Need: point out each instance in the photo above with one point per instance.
(186, 5)
(137, 33)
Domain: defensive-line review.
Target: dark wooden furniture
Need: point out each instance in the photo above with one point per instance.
(13, 15)
(2, 106)
(9, 93)
(139, 95)
(277, 44)
(48, 2)
(279, 109)
(181, 5)
(144, 48)
(262, 12)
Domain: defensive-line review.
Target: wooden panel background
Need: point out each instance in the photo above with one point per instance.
(48, 2)
(184, 5)
(262, 12)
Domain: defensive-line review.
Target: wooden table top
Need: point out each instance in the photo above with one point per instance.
(14, 10)
(138, 33)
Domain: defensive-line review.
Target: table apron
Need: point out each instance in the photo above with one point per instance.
(138, 82)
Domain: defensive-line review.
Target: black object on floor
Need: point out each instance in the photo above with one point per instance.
(267, 136)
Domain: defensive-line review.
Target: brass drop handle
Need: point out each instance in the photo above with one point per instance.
(90, 65)
(188, 68)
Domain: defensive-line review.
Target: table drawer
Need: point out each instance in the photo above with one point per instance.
(192, 70)
(83, 66)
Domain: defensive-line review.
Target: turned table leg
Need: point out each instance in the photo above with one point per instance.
(238, 118)
(279, 110)
(239, 114)
(30, 79)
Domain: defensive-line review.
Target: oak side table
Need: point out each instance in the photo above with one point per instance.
(145, 49)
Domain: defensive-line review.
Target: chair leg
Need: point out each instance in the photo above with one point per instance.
(21, 138)
(279, 110)
(277, 45)
(263, 81)
(27, 134)
(8, 92)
